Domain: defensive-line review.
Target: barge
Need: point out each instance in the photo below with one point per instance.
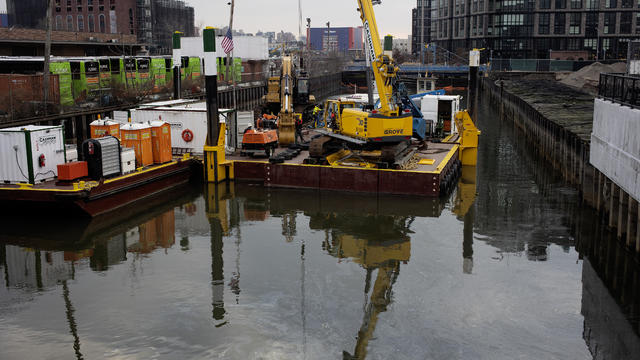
(94, 198)
(435, 173)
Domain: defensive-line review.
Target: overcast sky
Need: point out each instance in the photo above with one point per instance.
(393, 16)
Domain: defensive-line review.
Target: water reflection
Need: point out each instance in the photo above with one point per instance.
(387, 246)
(309, 274)
(610, 292)
(373, 238)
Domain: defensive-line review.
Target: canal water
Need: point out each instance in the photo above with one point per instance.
(508, 266)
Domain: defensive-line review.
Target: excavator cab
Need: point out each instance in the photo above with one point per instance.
(332, 117)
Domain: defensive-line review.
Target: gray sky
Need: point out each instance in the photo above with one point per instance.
(393, 16)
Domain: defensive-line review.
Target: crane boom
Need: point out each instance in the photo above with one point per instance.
(384, 69)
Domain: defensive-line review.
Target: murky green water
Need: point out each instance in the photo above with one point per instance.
(243, 272)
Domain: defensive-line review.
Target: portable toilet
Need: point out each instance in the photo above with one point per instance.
(138, 137)
(106, 127)
(161, 141)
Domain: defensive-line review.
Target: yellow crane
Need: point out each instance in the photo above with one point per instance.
(388, 128)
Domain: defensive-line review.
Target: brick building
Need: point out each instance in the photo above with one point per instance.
(152, 21)
(93, 16)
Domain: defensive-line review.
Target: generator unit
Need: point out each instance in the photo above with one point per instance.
(31, 154)
(103, 157)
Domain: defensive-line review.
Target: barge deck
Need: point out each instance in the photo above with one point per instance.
(432, 177)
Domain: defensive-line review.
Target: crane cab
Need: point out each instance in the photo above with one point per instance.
(375, 127)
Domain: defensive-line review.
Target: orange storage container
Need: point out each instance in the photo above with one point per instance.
(73, 170)
(161, 141)
(100, 128)
(138, 137)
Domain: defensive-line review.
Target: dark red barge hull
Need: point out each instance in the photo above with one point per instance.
(400, 182)
(104, 197)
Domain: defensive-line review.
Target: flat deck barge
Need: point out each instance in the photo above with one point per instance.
(94, 198)
(433, 177)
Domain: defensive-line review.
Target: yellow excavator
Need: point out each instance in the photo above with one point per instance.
(288, 94)
(388, 128)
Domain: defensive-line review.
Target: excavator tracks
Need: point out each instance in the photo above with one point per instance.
(317, 146)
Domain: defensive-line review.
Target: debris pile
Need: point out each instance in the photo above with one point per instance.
(588, 77)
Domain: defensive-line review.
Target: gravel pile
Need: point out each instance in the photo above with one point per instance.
(588, 77)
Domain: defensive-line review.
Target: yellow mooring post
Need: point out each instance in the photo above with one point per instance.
(468, 138)
(216, 167)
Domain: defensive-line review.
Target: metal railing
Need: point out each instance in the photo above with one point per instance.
(542, 65)
(620, 88)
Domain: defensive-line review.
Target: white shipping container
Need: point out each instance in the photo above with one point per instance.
(245, 119)
(31, 153)
(182, 118)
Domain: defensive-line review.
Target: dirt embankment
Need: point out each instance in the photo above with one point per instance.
(587, 78)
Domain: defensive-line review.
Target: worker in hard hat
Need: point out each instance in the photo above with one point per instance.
(317, 115)
(299, 129)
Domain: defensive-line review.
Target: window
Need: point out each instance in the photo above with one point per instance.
(69, 23)
(638, 23)
(545, 4)
(575, 21)
(480, 24)
(610, 4)
(543, 23)
(625, 23)
(626, 4)
(591, 26)
(590, 44)
(80, 23)
(576, 4)
(610, 23)
(574, 44)
(474, 28)
(561, 4)
(92, 27)
(103, 25)
(592, 4)
(59, 24)
(559, 23)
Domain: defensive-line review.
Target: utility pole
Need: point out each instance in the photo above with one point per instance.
(328, 36)
(47, 55)
(422, 31)
(308, 34)
(226, 75)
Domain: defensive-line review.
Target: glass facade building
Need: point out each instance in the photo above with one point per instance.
(586, 29)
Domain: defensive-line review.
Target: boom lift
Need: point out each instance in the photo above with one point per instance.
(388, 128)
